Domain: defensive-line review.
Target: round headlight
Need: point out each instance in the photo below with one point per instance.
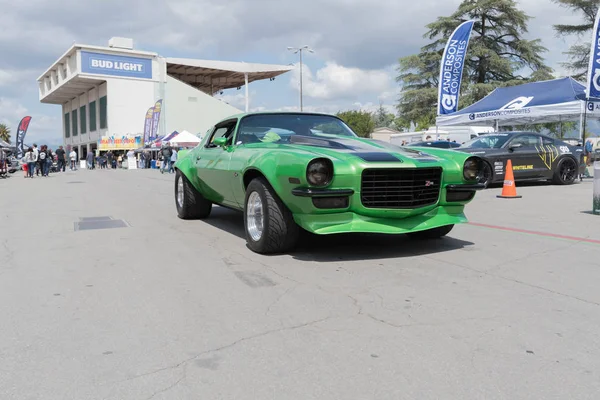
(471, 169)
(319, 172)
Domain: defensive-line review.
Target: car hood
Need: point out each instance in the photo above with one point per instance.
(357, 148)
(480, 152)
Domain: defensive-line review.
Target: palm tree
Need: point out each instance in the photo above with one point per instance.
(5, 133)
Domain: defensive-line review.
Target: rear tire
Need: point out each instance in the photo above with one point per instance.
(434, 233)
(566, 171)
(269, 224)
(189, 202)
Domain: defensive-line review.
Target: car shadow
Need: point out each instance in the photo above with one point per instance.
(226, 219)
(344, 247)
(360, 246)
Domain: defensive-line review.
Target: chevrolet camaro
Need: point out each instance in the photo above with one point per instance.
(289, 172)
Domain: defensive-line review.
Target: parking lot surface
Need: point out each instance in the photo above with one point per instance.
(506, 307)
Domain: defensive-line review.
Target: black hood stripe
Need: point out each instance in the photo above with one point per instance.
(366, 151)
(377, 156)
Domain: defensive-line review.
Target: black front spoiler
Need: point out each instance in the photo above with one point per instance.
(465, 188)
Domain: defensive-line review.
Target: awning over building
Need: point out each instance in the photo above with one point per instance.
(213, 76)
(537, 102)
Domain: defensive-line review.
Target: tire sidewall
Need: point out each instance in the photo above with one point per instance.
(490, 178)
(259, 187)
(178, 177)
(559, 174)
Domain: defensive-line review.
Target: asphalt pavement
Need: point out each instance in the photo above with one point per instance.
(506, 307)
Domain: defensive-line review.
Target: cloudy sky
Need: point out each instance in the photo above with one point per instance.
(357, 44)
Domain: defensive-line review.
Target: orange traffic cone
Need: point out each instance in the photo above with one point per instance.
(509, 190)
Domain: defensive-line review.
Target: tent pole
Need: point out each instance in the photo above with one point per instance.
(560, 131)
(582, 132)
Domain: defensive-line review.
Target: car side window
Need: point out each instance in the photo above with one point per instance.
(225, 131)
(547, 141)
(526, 141)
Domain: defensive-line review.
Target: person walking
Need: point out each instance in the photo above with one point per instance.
(42, 161)
(30, 158)
(60, 155)
(166, 153)
(73, 158)
(90, 159)
(173, 160)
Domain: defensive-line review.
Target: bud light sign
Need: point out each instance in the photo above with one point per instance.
(451, 68)
(107, 64)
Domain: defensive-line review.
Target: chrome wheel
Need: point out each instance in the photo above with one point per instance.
(180, 193)
(255, 216)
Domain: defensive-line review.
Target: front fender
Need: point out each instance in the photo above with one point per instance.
(452, 161)
(284, 170)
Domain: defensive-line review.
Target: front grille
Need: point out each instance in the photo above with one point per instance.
(400, 187)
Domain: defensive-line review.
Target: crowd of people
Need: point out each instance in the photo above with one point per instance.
(44, 160)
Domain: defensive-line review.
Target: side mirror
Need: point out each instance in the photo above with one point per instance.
(515, 146)
(220, 141)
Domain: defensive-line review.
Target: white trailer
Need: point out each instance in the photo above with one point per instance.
(459, 133)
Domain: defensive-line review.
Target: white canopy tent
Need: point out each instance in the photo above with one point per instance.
(185, 139)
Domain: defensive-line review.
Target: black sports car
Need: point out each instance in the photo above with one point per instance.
(442, 144)
(534, 156)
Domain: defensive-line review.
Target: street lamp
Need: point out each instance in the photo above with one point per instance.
(299, 50)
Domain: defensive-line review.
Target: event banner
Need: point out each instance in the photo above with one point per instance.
(593, 81)
(156, 119)
(451, 68)
(21, 132)
(148, 124)
(119, 142)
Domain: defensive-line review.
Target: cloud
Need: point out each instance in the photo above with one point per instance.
(335, 81)
(42, 129)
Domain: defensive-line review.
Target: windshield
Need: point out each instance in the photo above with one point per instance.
(487, 142)
(280, 127)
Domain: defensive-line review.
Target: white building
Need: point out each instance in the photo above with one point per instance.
(107, 92)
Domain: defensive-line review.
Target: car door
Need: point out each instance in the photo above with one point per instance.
(523, 151)
(212, 165)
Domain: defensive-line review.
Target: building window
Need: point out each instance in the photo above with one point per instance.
(103, 123)
(93, 116)
(67, 125)
(74, 118)
(82, 119)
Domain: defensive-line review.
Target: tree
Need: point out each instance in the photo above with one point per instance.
(361, 122)
(579, 53)
(383, 118)
(497, 56)
(5, 133)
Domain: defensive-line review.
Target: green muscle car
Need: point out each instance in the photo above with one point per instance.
(294, 171)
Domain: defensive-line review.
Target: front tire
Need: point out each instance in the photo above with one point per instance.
(566, 172)
(269, 224)
(189, 202)
(486, 175)
(434, 233)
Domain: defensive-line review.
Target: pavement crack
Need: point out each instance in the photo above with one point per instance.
(227, 346)
(517, 281)
(290, 289)
(171, 386)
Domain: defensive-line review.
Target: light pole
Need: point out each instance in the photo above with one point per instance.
(299, 50)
